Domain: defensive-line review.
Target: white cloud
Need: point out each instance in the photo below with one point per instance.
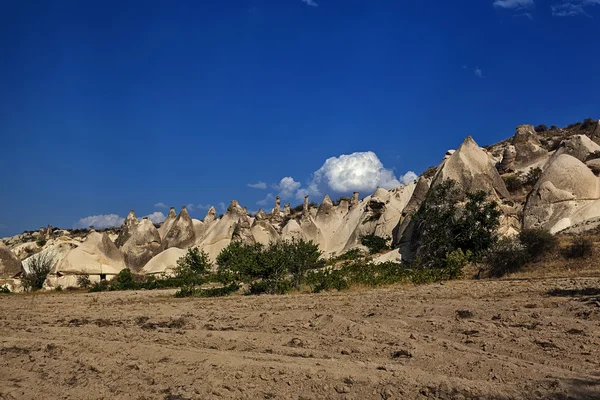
(156, 217)
(310, 3)
(203, 206)
(408, 177)
(264, 201)
(361, 171)
(258, 185)
(222, 207)
(525, 14)
(478, 72)
(100, 221)
(514, 4)
(287, 187)
(573, 8)
(160, 205)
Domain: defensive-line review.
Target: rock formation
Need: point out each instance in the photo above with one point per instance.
(128, 226)
(95, 256)
(182, 233)
(566, 194)
(528, 147)
(168, 223)
(472, 170)
(165, 262)
(565, 198)
(578, 146)
(595, 136)
(508, 159)
(142, 244)
(10, 265)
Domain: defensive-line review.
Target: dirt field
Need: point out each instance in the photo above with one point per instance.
(460, 340)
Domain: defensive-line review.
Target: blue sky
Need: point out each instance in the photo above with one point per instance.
(107, 106)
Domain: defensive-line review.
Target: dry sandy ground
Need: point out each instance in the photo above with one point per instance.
(460, 340)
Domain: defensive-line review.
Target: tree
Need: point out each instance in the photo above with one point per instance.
(374, 243)
(40, 266)
(193, 265)
(239, 262)
(475, 230)
(304, 256)
(443, 226)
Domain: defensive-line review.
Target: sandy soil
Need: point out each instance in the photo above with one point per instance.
(460, 340)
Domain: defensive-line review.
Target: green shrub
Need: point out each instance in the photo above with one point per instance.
(508, 255)
(537, 242)
(83, 281)
(125, 280)
(326, 279)
(579, 247)
(374, 243)
(513, 183)
(40, 266)
(193, 267)
(532, 176)
(99, 286)
(541, 128)
(302, 257)
(352, 254)
(4, 289)
(588, 123)
(41, 242)
(186, 291)
(456, 261)
(442, 226)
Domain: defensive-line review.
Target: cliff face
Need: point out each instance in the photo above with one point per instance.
(558, 190)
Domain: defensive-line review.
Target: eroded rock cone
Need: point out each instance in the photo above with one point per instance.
(127, 227)
(508, 159)
(143, 243)
(10, 265)
(528, 147)
(182, 233)
(567, 193)
(472, 170)
(578, 146)
(287, 210)
(168, 223)
(242, 230)
(211, 215)
(96, 255)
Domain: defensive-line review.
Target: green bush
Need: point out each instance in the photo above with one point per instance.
(125, 280)
(456, 261)
(541, 128)
(40, 266)
(41, 242)
(374, 243)
(537, 242)
(99, 286)
(579, 247)
(532, 176)
(513, 183)
(83, 281)
(4, 289)
(508, 255)
(266, 269)
(352, 254)
(588, 123)
(442, 226)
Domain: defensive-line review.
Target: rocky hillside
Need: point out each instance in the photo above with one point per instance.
(544, 178)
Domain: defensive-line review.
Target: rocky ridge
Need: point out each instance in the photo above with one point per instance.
(565, 197)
